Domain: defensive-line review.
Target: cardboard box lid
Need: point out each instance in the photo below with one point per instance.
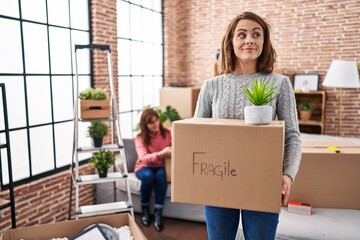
(321, 147)
(227, 144)
(71, 228)
(325, 144)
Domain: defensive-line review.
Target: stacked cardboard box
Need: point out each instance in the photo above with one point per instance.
(327, 178)
(183, 99)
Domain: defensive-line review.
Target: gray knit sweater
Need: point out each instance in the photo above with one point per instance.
(222, 97)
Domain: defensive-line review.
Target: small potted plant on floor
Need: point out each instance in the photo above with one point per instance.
(94, 103)
(259, 94)
(305, 110)
(97, 130)
(102, 161)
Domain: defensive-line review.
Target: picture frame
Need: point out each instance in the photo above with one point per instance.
(306, 82)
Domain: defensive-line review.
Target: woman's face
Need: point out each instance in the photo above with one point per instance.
(248, 40)
(154, 124)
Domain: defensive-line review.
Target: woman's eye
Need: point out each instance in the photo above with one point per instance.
(242, 35)
(256, 35)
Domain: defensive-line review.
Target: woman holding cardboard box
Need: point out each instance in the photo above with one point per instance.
(153, 145)
(247, 54)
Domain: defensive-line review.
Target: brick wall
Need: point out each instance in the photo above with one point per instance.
(307, 35)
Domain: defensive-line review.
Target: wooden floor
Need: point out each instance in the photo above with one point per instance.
(174, 229)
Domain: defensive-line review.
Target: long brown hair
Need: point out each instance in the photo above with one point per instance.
(227, 60)
(146, 118)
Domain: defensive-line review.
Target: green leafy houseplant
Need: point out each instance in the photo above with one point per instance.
(259, 94)
(93, 94)
(97, 130)
(305, 106)
(94, 103)
(102, 161)
(170, 114)
(305, 110)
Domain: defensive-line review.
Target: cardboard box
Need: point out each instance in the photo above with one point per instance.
(327, 179)
(168, 169)
(92, 109)
(226, 163)
(71, 228)
(183, 99)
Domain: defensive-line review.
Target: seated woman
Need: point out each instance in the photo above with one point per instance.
(153, 145)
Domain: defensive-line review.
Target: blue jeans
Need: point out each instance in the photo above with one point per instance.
(153, 177)
(222, 223)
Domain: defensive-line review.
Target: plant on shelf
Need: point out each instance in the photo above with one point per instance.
(102, 161)
(94, 103)
(93, 94)
(305, 110)
(97, 130)
(259, 94)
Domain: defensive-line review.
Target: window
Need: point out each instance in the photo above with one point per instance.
(140, 59)
(37, 66)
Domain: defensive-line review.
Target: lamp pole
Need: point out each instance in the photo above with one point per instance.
(340, 112)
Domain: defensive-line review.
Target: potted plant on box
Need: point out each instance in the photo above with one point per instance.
(102, 161)
(94, 103)
(259, 94)
(305, 110)
(97, 130)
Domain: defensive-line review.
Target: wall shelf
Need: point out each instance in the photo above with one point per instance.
(317, 122)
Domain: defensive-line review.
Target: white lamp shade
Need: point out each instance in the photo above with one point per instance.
(342, 74)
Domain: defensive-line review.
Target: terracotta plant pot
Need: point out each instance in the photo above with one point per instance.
(305, 115)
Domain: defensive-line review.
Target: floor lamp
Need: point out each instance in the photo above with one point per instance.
(342, 74)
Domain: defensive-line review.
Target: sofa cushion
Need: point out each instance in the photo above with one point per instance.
(130, 153)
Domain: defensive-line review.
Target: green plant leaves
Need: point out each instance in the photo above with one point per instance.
(102, 160)
(93, 94)
(260, 93)
(97, 129)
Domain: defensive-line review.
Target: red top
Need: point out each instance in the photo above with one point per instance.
(147, 154)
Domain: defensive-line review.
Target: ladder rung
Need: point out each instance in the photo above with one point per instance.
(106, 208)
(2, 145)
(111, 147)
(94, 178)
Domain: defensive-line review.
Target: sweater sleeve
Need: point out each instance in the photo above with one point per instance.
(144, 156)
(204, 102)
(286, 110)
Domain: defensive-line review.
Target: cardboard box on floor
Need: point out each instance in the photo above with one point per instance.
(183, 99)
(71, 228)
(326, 179)
(226, 163)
